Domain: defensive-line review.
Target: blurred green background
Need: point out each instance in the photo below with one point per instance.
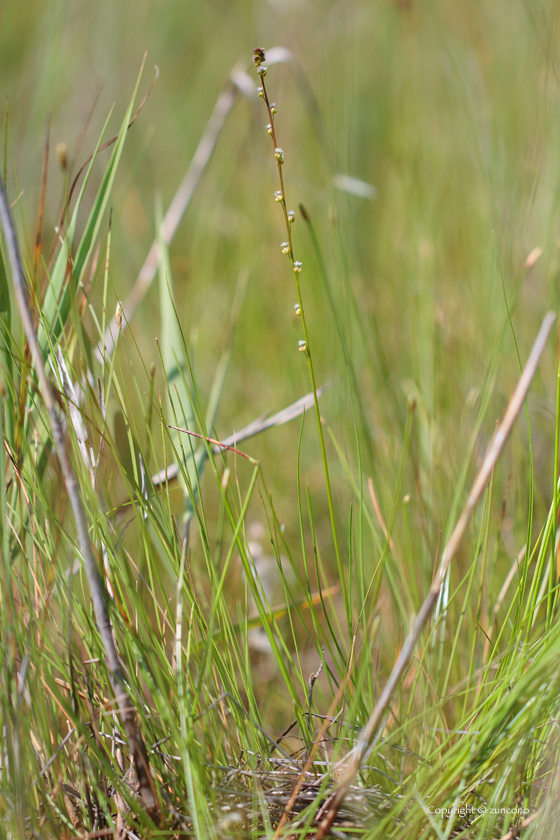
(450, 111)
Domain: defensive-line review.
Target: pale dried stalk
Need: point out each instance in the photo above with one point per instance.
(239, 82)
(356, 756)
(294, 410)
(170, 222)
(147, 791)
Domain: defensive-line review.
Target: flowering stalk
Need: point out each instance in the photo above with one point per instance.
(287, 248)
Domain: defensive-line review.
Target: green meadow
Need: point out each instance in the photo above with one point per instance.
(280, 407)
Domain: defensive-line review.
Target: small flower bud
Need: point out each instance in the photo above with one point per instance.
(279, 154)
(273, 108)
(297, 308)
(262, 71)
(302, 346)
(260, 91)
(269, 129)
(119, 315)
(291, 216)
(285, 247)
(278, 196)
(297, 267)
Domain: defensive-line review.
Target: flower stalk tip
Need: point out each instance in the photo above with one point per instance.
(258, 56)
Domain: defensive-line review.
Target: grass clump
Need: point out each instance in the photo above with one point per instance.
(182, 654)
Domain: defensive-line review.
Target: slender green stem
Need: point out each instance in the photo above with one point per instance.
(552, 595)
(296, 268)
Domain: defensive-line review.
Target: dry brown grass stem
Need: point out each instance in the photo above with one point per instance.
(239, 83)
(356, 756)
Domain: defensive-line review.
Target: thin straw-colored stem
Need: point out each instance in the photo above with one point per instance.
(225, 102)
(239, 82)
(356, 756)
